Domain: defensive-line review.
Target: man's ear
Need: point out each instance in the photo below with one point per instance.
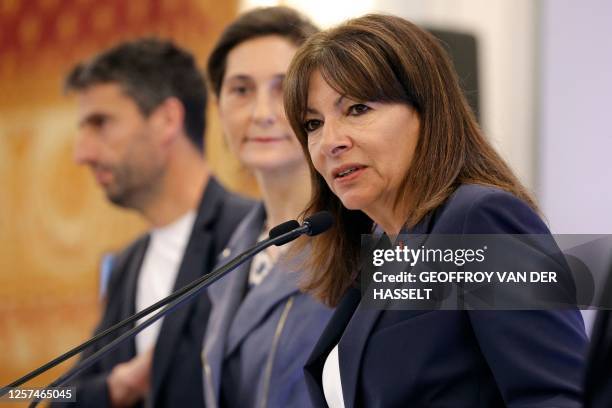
(170, 119)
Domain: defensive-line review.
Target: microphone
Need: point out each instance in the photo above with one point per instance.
(280, 229)
(313, 225)
(318, 223)
(283, 228)
(283, 233)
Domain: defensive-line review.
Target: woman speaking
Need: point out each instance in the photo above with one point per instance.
(393, 145)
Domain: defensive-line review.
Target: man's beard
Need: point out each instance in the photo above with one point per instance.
(127, 190)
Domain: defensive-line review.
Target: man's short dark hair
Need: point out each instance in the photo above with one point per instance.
(149, 70)
(282, 21)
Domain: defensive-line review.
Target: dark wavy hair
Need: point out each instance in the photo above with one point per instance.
(387, 59)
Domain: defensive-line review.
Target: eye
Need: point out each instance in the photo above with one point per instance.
(311, 125)
(358, 109)
(239, 90)
(97, 121)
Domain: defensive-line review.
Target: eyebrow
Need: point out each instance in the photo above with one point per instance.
(239, 77)
(246, 77)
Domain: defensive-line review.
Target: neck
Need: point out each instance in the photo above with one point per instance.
(390, 226)
(181, 187)
(390, 219)
(285, 193)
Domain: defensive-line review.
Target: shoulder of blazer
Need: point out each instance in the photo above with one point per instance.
(230, 211)
(478, 209)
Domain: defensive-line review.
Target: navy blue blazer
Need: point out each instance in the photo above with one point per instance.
(456, 359)
(176, 379)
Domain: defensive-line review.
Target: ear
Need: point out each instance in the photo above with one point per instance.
(169, 119)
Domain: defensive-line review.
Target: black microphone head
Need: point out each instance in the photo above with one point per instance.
(283, 228)
(319, 222)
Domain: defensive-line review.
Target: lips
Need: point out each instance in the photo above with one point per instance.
(265, 139)
(103, 177)
(346, 170)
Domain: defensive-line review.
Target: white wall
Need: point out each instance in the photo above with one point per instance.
(575, 161)
(575, 150)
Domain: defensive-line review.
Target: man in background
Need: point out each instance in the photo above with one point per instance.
(141, 122)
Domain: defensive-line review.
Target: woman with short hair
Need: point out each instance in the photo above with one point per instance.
(261, 328)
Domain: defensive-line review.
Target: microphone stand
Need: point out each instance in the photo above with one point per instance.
(173, 301)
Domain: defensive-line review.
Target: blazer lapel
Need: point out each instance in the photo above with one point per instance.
(129, 308)
(194, 264)
(350, 350)
(226, 294)
(278, 285)
(349, 328)
(313, 369)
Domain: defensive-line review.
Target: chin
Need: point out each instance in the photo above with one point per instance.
(117, 199)
(354, 201)
(274, 164)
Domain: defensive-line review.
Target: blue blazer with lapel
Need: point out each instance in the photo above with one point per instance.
(176, 378)
(242, 328)
(456, 358)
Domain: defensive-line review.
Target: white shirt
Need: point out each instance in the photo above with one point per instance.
(158, 272)
(332, 384)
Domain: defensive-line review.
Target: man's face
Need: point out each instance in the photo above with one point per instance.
(119, 144)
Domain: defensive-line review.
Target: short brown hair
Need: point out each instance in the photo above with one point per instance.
(282, 21)
(385, 58)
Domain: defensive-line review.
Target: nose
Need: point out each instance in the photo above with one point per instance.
(85, 148)
(335, 141)
(264, 111)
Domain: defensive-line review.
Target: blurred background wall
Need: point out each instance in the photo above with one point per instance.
(544, 70)
(55, 223)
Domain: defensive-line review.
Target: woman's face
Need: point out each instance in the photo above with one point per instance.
(362, 149)
(251, 105)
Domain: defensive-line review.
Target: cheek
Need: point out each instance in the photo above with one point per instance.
(316, 159)
(234, 127)
(403, 157)
(296, 149)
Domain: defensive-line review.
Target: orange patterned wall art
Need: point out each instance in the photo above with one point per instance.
(55, 224)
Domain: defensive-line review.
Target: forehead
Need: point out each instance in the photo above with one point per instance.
(260, 57)
(104, 97)
(321, 93)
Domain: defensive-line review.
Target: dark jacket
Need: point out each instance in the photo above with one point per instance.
(176, 379)
(262, 337)
(456, 358)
